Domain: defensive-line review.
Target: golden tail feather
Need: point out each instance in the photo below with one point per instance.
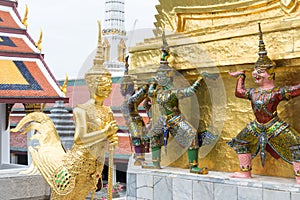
(42, 123)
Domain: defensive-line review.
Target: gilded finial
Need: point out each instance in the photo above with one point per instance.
(99, 58)
(263, 60)
(24, 20)
(164, 48)
(99, 30)
(261, 45)
(63, 88)
(38, 44)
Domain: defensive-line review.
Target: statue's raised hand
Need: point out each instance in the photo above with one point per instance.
(213, 76)
(235, 74)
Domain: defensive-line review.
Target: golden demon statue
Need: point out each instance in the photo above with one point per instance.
(267, 132)
(73, 174)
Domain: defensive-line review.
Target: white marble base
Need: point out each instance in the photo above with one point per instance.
(15, 186)
(178, 184)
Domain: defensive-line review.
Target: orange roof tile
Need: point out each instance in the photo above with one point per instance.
(14, 44)
(7, 21)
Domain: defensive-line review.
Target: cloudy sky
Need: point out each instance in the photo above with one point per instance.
(70, 28)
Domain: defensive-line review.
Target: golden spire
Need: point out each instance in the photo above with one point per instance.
(263, 60)
(38, 44)
(63, 88)
(24, 20)
(99, 57)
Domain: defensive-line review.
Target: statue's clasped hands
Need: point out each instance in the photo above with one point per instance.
(112, 128)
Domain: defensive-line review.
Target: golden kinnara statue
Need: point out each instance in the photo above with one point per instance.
(73, 174)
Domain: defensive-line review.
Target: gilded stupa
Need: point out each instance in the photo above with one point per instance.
(221, 36)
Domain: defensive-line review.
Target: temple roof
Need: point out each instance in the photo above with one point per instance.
(24, 75)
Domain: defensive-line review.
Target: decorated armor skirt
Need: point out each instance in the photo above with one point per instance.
(183, 132)
(276, 137)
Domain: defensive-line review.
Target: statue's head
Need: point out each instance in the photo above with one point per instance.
(164, 71)
(164, 74)
(264, 63)
(99, 82)
(127, 86)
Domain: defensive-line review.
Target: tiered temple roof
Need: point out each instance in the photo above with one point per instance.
(24, 75)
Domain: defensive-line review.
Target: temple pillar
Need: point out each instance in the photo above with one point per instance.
(4, 137)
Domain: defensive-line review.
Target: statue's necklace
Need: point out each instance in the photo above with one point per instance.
(262, 99)
(102, 112)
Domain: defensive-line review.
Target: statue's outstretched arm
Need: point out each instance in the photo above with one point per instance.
(82, 137)
(189, 91)
(139, 96)
(290, 91)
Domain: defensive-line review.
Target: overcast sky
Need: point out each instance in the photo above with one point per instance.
(70, 29)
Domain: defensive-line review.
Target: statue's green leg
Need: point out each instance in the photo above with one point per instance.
(156, 157)
(193, 162)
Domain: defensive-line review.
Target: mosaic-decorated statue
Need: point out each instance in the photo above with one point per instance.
(74, 174)
(267, 132)
(171, 121)
(134, 121)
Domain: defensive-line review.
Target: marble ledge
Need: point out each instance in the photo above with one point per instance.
(16, 186)
(175, 183)
(221, 177)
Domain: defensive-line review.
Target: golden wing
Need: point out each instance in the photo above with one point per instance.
(49, 161)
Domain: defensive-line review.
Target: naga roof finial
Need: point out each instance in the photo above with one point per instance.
(24, 20)
(164, 48)
(38, 44)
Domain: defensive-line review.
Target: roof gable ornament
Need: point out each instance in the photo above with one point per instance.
(24, 20)
(64, 87)
(38, 44)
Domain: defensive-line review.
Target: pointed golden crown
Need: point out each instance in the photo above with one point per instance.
(263, 60)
